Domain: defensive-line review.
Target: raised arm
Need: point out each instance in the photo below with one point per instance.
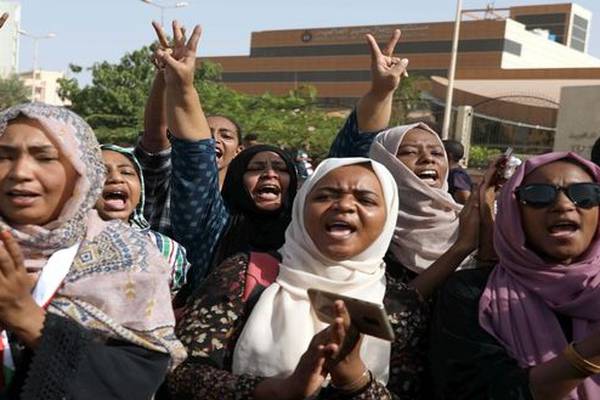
(154, 139)
(185, 117)
(375, 108)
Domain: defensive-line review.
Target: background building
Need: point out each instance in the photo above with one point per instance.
(9, 39)
(568, 24)
(512, 64)
(46, 86)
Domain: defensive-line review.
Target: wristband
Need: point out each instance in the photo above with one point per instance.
(357, 384)
(579, 363)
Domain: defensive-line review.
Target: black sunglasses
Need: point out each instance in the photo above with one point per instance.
(540, 195)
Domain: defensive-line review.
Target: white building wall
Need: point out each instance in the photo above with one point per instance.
(46, 86)
(9, 39)
(540, 52)
(578, 124)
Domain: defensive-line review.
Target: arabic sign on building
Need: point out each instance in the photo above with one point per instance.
(357, 33)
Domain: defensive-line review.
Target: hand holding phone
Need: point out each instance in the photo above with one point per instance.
(368, 318)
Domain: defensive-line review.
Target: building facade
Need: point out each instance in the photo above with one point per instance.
(512, 64)
(336, 60)
(44, 88)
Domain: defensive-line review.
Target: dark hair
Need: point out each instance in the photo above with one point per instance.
(596, 152)
(251, 136)
(238, 128)
(454, 149)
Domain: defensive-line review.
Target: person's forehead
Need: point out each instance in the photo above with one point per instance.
(218, 123)
(116, 157)
(351, 175)
(266, 155)
(557, 172)
(25, 131)
(420, 135)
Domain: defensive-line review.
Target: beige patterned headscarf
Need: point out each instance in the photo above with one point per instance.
(427, 217)
(118, 283)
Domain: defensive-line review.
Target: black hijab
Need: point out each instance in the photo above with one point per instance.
(249, 228)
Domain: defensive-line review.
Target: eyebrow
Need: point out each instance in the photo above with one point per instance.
(340, 190)
(265, 163)
(419, 144)
(38, 148)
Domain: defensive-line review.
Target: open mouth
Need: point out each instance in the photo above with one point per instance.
(340, 229)
(563, 228)
(22, 197)
(21, 193)
(219, 153)
(429, 176)
(115, 200)
(268, 192)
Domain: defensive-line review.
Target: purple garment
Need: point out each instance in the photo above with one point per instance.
(524, 292)
(459, 181)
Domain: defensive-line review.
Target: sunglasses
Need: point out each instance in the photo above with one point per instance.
(541, 195)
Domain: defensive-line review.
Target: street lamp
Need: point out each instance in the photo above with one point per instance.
(452, 70)
(164, 7)
(36, 39)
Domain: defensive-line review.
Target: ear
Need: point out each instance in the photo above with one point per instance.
(239, 149)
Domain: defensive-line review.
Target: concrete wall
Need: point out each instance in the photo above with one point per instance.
(540, 52)
(578, 119)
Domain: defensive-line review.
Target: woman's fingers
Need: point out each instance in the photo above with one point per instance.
(177, 34)
(342, 312)
(399, 68)
(391, 45)
(184, 34)
(13, 249)
(161, 35)
(192, 44)
(7, 266)
(375, 50)
(3, 19)
(165, 58)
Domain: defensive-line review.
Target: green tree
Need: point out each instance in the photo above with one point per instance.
(12, 92)
(407, 100)
(118, 91)
(114, 103)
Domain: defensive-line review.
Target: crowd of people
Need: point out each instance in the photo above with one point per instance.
(181, 268)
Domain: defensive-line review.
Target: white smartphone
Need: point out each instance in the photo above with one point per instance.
(369, 318)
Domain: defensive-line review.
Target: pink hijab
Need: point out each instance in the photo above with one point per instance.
(523, 292)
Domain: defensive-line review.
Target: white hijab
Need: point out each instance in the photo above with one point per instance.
(427, 217)
(282, 323)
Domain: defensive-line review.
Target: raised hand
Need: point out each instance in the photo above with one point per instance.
(18, 310)
(470, 222)
(386, 70)
(178, 59)
(3, 19)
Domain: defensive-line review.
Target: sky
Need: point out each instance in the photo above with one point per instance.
(89, 31)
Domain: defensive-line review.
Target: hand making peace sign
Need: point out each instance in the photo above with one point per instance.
(179, 59)
(386, 70)
(3, 19)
